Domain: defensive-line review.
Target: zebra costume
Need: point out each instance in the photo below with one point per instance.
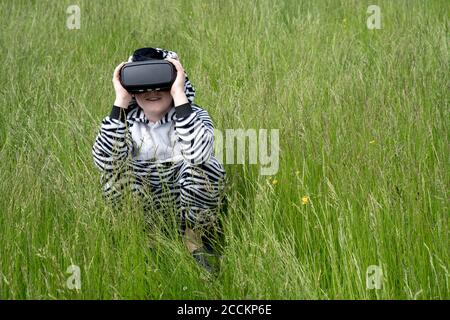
(170, 162)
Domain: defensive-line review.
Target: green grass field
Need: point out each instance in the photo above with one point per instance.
(364, 134)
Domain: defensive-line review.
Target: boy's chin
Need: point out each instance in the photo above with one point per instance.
(156, 106)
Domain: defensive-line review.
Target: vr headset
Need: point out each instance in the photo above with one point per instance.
(141, 76)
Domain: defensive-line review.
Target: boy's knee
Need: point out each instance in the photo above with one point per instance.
(208, 177)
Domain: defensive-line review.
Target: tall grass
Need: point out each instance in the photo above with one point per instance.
(363, 119)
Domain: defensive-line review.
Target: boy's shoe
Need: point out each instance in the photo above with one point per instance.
(201, 255)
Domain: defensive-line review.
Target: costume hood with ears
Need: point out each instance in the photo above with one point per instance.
(144, 54)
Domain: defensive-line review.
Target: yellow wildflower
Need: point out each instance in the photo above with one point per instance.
(305, 200)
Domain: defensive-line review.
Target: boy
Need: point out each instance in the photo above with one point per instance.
(163, 146)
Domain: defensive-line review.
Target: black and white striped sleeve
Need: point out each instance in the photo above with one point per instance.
(113, 142)
(195, 131)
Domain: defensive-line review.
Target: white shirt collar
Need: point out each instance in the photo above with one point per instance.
(138, 115)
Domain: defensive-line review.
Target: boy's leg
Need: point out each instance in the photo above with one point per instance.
(192, 240)
(162, 196)
(201, 194)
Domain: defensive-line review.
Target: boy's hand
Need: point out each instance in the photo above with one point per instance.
(123, 97)
(177, 90)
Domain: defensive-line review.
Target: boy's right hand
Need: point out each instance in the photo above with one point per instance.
(123, 97)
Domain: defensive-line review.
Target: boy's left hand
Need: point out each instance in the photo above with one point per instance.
(178, 85)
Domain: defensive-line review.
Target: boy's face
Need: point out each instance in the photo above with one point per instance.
(157, 102)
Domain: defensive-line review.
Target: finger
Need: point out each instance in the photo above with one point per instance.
(116, 74)
(118, 68)
(175, 59)
(176, 63)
